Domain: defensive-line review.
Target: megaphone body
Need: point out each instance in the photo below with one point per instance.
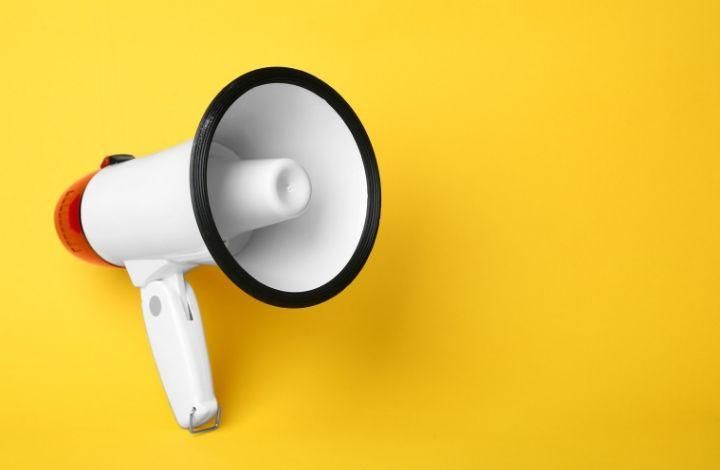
(250, 193)
(277, 188)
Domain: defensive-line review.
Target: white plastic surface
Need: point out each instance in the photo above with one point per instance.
(286, 121)
(141, 209)
(249, 194)
(174, 327)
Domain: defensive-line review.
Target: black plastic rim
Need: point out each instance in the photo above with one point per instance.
(201, 202)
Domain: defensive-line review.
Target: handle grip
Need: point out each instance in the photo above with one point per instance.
(174, 327)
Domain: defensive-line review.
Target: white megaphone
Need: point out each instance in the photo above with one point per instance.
(279, 188)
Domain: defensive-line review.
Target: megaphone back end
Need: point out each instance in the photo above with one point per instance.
(69, 226)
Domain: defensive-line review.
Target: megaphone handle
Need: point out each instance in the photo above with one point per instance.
(174, 327)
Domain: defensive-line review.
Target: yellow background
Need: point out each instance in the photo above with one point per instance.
(545, 289)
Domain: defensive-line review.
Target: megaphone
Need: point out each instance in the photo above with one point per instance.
(279, 188)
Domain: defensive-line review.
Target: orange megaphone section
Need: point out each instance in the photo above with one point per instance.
(68, 224)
